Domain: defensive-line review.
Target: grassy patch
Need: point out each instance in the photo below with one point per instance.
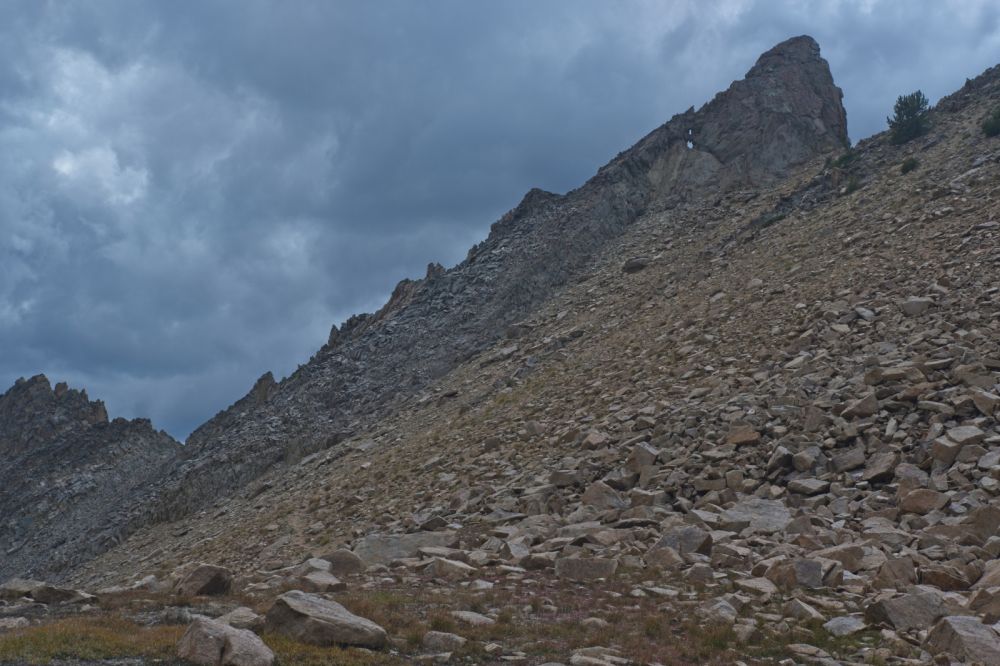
(991, 126)
(89, 638)
(846, 160)
(775, 647)
(291, 653)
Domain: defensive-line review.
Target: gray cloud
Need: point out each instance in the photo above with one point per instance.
(192, 193)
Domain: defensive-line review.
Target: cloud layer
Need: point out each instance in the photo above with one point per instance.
(192, 193)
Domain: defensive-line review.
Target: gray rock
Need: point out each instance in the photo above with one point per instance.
(915, 305)
(686, 539)
(602, 496)
(8, 623)
(17, 588)
(441, 641)
(384, 548)
(808, 486)
(760, 516)
(472, 618)
(585, 568)
(242, 617)
(845, 625)
(205, 579)
(212, 643)
(635, 264)
(343, 562)
(915, 610)
(964, 638)
(311, 619)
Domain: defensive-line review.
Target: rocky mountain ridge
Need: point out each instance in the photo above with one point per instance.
(786, 111)
(769, 409)
(70, 478)
(772, 411)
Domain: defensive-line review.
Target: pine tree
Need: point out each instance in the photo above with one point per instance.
(910, 117)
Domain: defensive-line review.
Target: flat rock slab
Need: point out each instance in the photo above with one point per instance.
(472, 618)
(845, 625)
(384, 548)
(808, 486)
(761, 516)
(585, 568)
(312, 619)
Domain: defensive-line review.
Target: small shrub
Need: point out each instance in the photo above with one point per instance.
(909, 118)
(852, 184)
(846, 159)
(441, 622)
(909, 164)
(991, 126)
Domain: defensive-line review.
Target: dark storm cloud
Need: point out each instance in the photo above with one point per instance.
(191, 193)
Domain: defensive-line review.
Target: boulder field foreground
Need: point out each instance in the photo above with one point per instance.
(733, 400)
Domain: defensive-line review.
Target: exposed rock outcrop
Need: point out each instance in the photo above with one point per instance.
(72, 483)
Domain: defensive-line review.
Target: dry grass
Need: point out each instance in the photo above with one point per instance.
(638, 628)
(291, 653)
(100, 637)
(544, 621)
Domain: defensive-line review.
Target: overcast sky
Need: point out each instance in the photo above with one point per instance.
(193, 191)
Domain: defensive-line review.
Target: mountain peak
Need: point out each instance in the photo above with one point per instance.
(796, 51)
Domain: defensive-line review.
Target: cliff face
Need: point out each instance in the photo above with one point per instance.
(71, 482)
(785, 112)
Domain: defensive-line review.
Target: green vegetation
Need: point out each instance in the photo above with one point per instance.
(852, 184)
(846, 159)
(909, 118)
(88, 638)
(991, 126)
(288, 652)
(909, 164)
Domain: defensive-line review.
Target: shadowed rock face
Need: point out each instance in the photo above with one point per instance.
(786, 111)
(71, 482)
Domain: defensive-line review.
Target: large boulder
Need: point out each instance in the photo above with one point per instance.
(53, 594)
(213, 643)
(914, 610)
(964, 638)
(311, 619)
(17, 588)
(205, 579)
(343, 561)
(384, 548)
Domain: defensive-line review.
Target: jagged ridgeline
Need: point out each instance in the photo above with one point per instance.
(71, 482)
(786, 112)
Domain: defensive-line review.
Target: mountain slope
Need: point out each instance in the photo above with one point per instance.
(786, 111)
(765, 411)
